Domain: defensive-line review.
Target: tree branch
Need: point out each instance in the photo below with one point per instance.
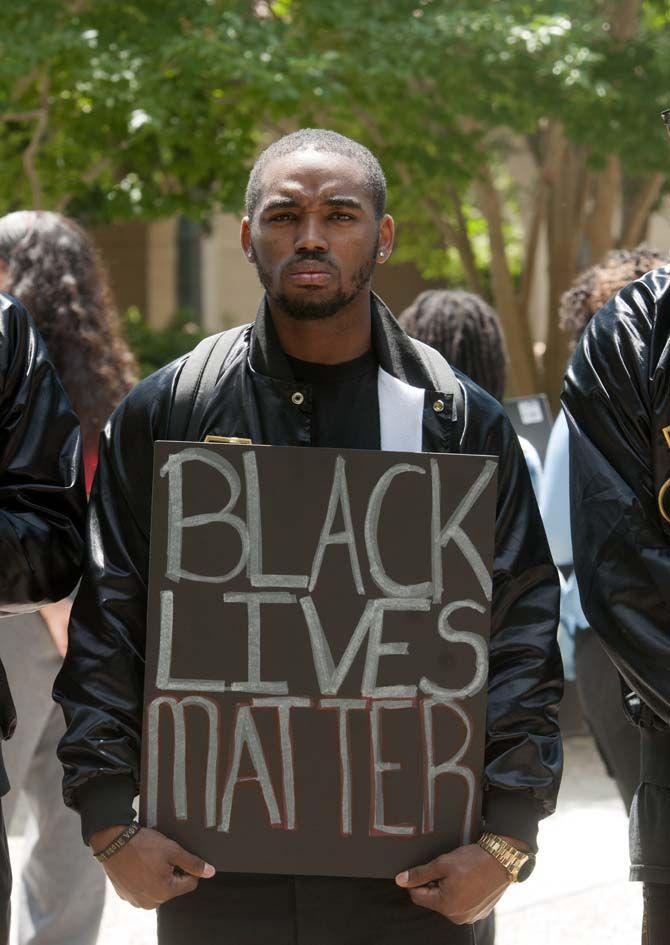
(464, 245)
(23, 84)
(30, 154)
(91, 175)
(20, 116)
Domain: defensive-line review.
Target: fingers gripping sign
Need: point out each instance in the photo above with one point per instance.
(464, 885)
(150, 869)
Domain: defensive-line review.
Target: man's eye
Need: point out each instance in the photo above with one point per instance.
(338, 215)
(282, 217)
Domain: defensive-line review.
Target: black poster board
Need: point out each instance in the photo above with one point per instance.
(531, 418)
(317, 655)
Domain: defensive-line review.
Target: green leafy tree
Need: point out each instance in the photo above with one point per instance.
(451, 95)
(111, 110)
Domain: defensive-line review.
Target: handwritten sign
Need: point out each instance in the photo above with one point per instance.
(317, 655)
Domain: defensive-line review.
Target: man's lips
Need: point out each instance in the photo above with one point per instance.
(315, 277)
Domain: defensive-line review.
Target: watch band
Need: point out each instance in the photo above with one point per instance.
(511, 858)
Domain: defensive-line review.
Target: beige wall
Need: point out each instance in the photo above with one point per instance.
(124, 249)
(230, 287)
(161, 272)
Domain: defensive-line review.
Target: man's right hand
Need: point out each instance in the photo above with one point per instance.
(150, 869)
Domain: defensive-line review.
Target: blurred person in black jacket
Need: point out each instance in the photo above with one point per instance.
(617, 402)
(42, 502)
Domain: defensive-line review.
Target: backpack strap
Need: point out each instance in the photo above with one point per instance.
(197, 380)
(443, 379)
(198, 377)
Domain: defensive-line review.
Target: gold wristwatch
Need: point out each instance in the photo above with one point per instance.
(519, 865)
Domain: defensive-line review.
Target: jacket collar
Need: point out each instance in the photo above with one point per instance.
(393, 348)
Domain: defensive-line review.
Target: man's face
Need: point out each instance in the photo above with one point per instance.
(314, 236)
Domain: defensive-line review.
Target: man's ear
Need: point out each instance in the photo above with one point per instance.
(386, 238)
(245, 239)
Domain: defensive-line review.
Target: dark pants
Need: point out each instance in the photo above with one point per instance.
(656, 922)
(235, 909)
(649, 832)
(5, 883)
(617, 739)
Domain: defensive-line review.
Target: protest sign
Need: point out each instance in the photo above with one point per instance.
(317, 655)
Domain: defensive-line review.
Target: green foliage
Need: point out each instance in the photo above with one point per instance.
(155, 347)
(147, 108)
(156, 107)
(439, 89)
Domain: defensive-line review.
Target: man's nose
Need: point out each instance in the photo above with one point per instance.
(311, 237)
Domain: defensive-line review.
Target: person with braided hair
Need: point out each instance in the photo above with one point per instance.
(467, 332)
(51, 264)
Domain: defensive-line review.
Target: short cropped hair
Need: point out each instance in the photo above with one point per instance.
(596, 286)
(320, 139)
(465, 330)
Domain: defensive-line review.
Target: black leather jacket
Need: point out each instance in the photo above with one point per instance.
(42, 499)
(617, 398)
(101, 683)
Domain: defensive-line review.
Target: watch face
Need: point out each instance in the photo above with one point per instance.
(526, 870)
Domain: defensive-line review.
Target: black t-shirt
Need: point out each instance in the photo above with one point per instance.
(345, 404)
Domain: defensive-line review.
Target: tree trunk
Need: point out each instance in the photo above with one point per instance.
(566, 214)
(623, 17)
(522, 373)
(636, 217)
(553, 145)
(599, 228)
(457, 237)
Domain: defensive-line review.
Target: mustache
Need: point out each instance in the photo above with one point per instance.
(323, 258)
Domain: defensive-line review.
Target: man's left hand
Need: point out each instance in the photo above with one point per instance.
(464, 885)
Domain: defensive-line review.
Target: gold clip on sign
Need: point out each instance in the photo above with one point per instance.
(237, 440)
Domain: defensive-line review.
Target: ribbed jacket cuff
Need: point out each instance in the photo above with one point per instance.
(105, 801)
(512, 814)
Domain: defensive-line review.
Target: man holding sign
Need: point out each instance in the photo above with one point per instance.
(325, 364)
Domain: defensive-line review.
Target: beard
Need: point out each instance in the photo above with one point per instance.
(302, 307)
